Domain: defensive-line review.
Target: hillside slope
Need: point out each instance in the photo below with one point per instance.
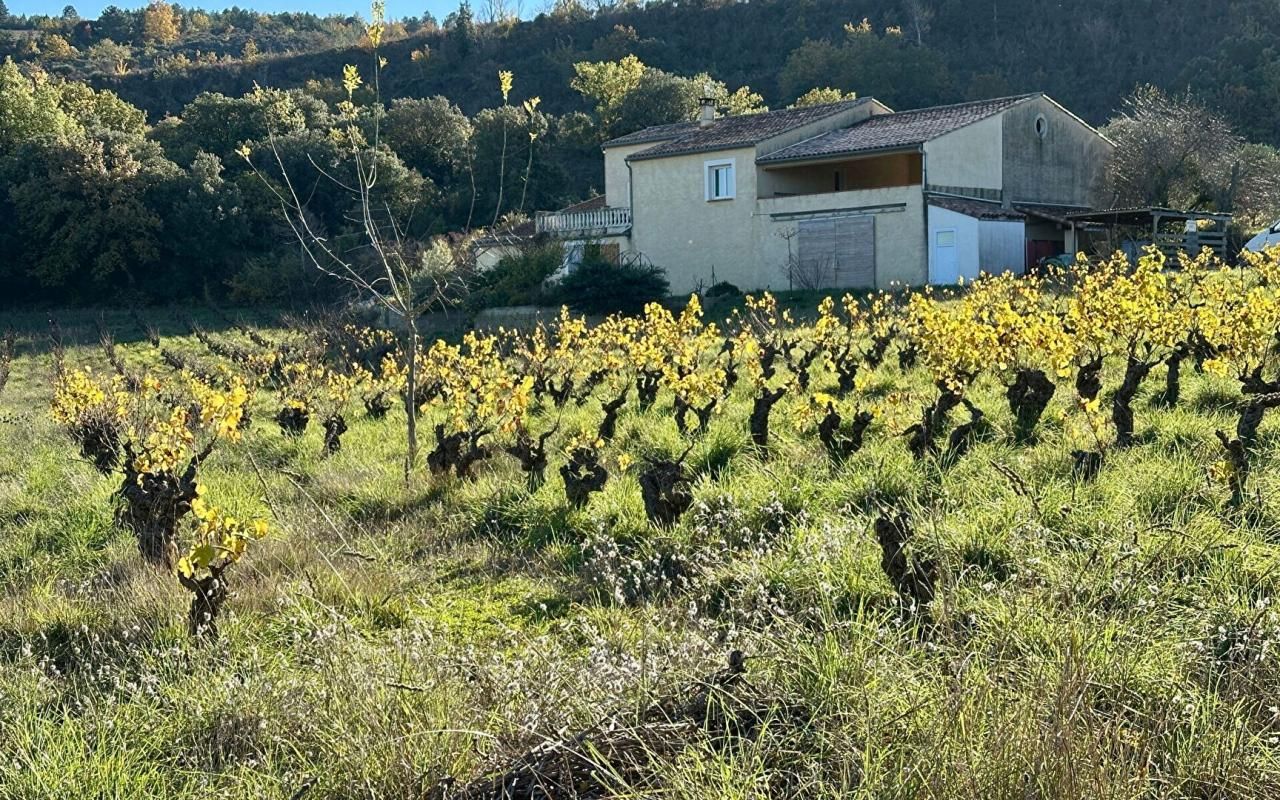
(1088, 54)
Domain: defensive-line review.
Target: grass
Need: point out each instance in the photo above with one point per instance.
(1113, 639)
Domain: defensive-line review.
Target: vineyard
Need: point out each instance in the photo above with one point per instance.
(1017, 539)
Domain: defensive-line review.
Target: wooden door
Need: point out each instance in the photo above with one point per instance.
(836, 253)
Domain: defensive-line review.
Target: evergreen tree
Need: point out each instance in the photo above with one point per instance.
(462, 31)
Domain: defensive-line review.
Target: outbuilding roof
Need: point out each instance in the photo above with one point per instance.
(742, 130)
(894, 131)
(977, 209)
(1052, 212)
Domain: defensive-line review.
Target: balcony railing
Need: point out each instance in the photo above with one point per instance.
(597, 222)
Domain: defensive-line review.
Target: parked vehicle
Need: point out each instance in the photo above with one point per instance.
(1268, 238)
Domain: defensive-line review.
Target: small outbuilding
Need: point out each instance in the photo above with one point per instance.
(969, 236)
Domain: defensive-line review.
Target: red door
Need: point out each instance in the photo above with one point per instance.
(1040, 249)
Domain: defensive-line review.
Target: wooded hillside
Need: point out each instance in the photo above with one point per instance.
(124, 141)
(1088, 53)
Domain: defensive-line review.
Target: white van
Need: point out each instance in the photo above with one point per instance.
(1268, 238)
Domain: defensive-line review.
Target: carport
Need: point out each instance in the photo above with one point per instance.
(1171, 230)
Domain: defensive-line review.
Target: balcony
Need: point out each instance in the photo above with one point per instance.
(784, 209)
(591, 223)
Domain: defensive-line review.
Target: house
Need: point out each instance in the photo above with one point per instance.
(845, 195)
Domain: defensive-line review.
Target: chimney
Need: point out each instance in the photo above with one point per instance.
(707, 115)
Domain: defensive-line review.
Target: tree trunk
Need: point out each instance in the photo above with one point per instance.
(411, 401)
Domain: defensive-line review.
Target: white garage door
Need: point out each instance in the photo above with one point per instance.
(837, 253)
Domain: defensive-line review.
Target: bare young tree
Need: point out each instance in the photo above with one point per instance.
(388, 268)
(921, 14)
(501, 12)
(805, 273)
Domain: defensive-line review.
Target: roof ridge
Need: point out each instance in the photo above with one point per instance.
(830, 108)
(898, 129)
(945, 106)
(742, 130)
(639, 136)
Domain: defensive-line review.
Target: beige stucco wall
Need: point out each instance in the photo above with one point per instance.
(1066, 166)
(615, 173)
(899, 231)
(700, 242)
(487, 257)
(675, 227)
(969, 157)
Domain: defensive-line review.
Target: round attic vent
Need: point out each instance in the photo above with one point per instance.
(1042, 126)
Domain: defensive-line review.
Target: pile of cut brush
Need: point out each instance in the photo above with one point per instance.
(623, 753)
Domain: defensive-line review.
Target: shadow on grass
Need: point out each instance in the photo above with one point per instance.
(79, 327)
(366, 509)
(1216, 400)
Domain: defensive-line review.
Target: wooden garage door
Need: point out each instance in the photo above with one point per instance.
(837, 253)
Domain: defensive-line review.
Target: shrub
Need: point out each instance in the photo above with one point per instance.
(516, 280)
(723, 289)
(598, 286)
(278, 279)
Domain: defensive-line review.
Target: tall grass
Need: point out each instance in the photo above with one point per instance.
(1112, 639)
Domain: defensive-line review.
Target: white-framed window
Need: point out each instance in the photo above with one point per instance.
(720, 179)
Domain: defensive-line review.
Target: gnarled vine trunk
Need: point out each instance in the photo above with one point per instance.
(1028, 396)
(208, 595)
(583, 475)
(647, 384)
(1236, 451)
(1089, 379)
(609, 425)
(150, 505)
(666, 488)
(532, 455)
(914, 578)
(334, 427)
(1135, 372)
(841, 443)
(964, 436)
(459, 451)
(292, 420)
(1173, 375)
(378, 405)
(759, 420)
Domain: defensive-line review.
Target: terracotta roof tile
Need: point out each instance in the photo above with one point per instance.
(656, 133)
(742, 130)
(896, 130)
(1050, 211)
(977, 209)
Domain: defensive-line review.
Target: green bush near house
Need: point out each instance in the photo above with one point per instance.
(723, 289)
(600, 286)
(517, 280)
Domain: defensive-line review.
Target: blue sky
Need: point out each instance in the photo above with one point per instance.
(395, 8)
